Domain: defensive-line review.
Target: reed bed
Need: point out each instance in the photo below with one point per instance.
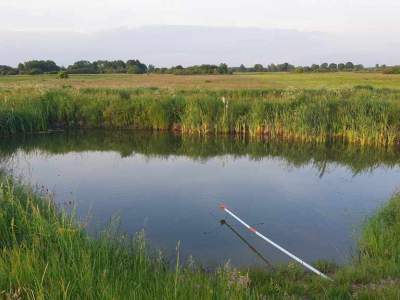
(361, 115)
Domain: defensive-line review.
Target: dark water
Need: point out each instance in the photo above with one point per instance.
(310, 199)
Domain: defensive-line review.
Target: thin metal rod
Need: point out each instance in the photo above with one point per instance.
(300, 261)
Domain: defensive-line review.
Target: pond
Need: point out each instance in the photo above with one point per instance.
(310, 199)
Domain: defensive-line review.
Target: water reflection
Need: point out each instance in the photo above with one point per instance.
(164, 145)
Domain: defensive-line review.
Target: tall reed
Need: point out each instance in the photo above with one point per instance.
(360, 115)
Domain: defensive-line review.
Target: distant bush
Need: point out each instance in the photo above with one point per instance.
(364, 87)
(392, 70)
(7, 70)
(63, 75)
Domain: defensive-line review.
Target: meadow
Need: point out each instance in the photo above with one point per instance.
(215, 82)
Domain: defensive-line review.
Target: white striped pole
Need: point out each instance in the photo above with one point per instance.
(302, 262)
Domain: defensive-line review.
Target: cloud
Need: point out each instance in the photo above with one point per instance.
(188, 45)
(310, 15)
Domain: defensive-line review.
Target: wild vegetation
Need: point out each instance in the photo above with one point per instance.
(46, 254)
(361, 115)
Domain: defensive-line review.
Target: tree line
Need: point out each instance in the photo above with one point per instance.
(286, 67)
(35, 67)
(193, 70)
(134, 66)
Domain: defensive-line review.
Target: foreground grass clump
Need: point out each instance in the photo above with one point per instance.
(376, 272)
(45, 254)
(361, 115)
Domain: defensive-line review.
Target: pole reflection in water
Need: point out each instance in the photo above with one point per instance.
(251, 247)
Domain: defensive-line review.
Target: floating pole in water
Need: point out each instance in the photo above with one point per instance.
(253, 230)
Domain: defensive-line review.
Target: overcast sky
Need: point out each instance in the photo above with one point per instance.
(343, 19)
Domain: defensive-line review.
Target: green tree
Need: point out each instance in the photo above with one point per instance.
(341, 67)
(38, 67)
(115, 66)
(349, 66)
(324, 67)
(83, 67)
(258, 68)
(314, 67)
(151, 69)
(7, 70)
(134, 66)
(272, 68)
(359, 67)
(333, 67)
(285, 67)
(223, 68)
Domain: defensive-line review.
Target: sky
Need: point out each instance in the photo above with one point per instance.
(360, 22)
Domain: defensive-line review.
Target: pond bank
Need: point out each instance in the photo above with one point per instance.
(46, 255)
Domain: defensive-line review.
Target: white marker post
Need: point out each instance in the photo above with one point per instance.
(302, 262)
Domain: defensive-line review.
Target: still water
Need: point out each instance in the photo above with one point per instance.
(310, 199)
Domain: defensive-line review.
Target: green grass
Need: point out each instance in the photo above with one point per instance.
(361, 115)
(46, 254)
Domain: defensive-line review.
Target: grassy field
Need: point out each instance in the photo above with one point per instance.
(236, 81)
(46, 254)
